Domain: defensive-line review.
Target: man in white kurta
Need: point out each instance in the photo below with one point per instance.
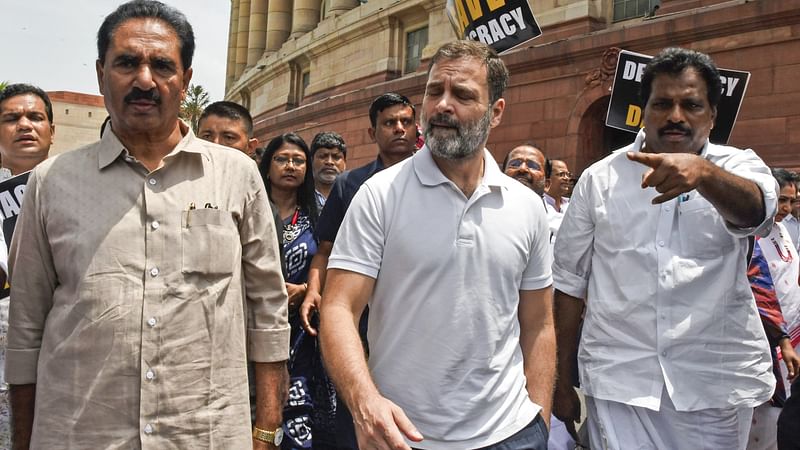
(672, 352)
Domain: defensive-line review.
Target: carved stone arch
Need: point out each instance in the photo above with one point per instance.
(588, 138)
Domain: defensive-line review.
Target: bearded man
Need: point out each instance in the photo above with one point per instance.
(453, 259)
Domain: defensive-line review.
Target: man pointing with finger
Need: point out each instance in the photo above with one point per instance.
(655, 244)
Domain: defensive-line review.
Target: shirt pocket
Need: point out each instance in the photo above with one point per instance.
(209, 242)
(702, 230)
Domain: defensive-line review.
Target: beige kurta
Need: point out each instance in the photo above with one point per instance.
(134, 294)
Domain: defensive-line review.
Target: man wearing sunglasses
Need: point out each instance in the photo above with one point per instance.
(526, 164)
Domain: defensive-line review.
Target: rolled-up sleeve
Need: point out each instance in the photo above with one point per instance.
(265, 290)
(33, 281)
(748, 165)
(574, 243)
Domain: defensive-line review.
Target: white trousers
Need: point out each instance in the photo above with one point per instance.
(617, 426)
(764, 429)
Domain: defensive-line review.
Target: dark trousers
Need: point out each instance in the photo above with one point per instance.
(789, 421)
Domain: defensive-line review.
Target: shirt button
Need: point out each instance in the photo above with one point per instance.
(150, 375)
(660, 243)
(148, 429)
(663, 353)
(667, 208)
(152, 181)
(154, 272)
(152, 321)
(155, 225)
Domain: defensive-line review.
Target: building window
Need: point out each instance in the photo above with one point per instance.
(304, 85)
(90, 114)
(629, 9)
(415, 41)
(66, 112)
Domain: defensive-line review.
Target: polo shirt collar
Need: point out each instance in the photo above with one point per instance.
(111, 148)
(429, 174)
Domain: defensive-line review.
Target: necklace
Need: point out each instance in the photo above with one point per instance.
(291, 231)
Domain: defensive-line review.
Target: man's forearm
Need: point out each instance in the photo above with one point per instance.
(343, 354)
(738, 200)
(23, 401)
(540, 367)
(568, 312)
(272, 387)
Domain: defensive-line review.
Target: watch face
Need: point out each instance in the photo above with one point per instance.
(278, 436)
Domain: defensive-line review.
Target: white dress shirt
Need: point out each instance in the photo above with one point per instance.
(668, 303)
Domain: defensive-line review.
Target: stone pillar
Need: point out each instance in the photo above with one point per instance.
(230, 74)
(305, 16)
(340, 6)
(242, 37)
(279, 23)
(257, 36)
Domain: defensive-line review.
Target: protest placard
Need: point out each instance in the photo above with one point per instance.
(626, 109)
(11, 192)
(501, 24)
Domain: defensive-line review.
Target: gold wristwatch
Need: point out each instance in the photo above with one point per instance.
(270, 437)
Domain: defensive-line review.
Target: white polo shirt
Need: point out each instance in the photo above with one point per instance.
(443, 326)
(668, 302)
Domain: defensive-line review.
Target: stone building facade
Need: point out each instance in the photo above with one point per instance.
(77, 118)
(314, 65)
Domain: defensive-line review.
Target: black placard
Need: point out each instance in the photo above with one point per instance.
(625, 110)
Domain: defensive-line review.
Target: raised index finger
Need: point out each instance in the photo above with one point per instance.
(648, 159)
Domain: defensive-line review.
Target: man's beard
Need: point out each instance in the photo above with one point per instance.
(459, 143)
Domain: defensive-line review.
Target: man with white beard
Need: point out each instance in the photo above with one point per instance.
(453, 259)
(328, 160)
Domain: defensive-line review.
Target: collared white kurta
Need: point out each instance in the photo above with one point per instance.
(667, 296)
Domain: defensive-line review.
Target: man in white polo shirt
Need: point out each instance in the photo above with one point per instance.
(453, 258)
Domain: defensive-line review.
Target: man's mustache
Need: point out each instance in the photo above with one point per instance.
(674, 126)
(138, 94)
(443, 120)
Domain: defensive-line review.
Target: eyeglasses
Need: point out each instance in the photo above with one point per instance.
(283, 161)
(516, 163)
(563, 174)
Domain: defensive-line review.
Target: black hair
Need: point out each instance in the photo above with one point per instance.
(13, 90)
(229, 110)
(385, 101)
(548, 166)
(147, 9)
(784, 177)
(496, 72)
(673, 61)
(328, 139)
(306, 193)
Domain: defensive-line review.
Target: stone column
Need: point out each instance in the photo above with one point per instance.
(340, 6)
(242, 37)
(257, 36)
(305, 16)
(230, 74)
(279, 23)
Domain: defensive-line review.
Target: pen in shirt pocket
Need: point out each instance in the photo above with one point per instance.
(188, 214)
